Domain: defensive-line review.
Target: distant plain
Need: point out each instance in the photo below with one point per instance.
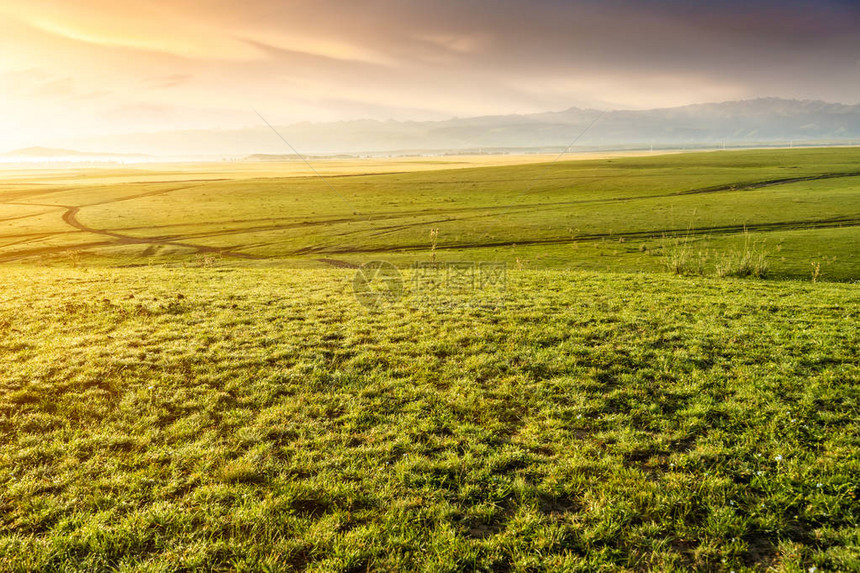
(800, 207)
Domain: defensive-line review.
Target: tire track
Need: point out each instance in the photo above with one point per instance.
(769, 183)
(585, 238)
(339, 264)
(71, 218)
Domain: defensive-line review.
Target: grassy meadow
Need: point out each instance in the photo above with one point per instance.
(668, 379)
(800, 207)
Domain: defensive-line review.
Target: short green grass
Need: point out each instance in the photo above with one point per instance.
(221, 407)
(228, 419)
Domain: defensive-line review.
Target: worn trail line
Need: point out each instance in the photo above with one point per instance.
(769, 183)
(339, 264)
(705, 231)
(70, 217)
(30, 253)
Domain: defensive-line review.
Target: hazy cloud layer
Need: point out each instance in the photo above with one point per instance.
(98, 66)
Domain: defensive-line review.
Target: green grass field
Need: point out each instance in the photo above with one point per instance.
(802, 207)
(181, 391)
(244, 419)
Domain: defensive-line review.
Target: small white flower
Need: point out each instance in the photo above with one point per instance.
(813, 569)
(819, 484)
(778, 458)
(150, 387)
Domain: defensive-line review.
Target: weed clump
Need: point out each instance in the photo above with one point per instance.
(816, 271)
(680, 257)
(748, 261)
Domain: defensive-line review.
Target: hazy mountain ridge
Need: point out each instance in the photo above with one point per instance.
(747, 122)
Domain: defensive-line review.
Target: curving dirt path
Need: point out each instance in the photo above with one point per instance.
(70, 217)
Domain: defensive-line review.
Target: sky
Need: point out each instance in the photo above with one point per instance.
(76, 68)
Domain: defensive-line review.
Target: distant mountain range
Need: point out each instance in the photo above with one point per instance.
(767, 121)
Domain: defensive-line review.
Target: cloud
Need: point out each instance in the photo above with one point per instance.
(187, 30)
(145, 26)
